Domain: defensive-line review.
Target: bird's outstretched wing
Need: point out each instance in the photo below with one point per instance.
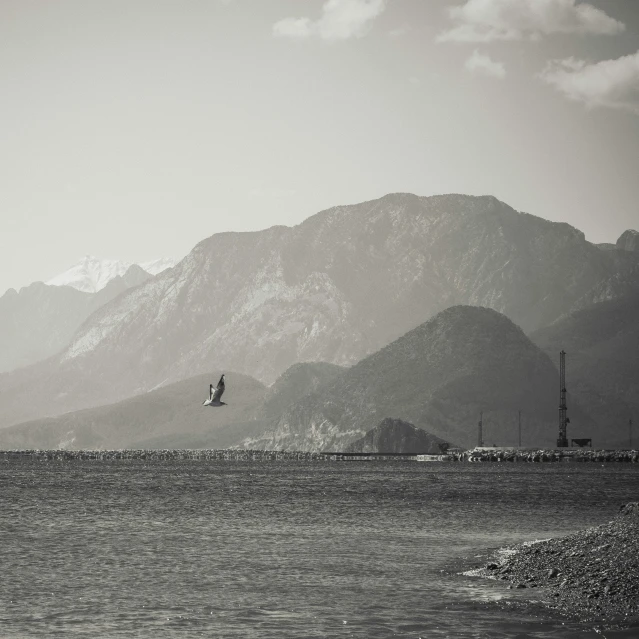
(217, 395)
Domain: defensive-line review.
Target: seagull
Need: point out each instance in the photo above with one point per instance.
(215, 394)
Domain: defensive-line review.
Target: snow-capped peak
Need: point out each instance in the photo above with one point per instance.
(157, 266)
(92, 274)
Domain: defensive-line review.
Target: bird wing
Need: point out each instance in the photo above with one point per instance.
(217, 395)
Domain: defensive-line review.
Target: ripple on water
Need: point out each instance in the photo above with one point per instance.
(282, 549)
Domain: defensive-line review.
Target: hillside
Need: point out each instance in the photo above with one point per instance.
(296, 382)
(173, 413)
(335, 288)
(173, 417)
(439, 376)
(602, 346)
(395, 436)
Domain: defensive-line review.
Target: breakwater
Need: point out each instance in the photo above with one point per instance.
(156, 455)
(475, 455)
(544, 455)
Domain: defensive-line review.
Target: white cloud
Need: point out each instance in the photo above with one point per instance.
(340, 20)
(295, 28)
(609, 83)
(488, 20)
(480, 63)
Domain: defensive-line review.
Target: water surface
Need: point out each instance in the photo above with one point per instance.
(284, 549)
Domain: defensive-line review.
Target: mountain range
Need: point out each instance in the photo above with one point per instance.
(337, 288)
(439, 377)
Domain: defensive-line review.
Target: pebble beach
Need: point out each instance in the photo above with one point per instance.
(592, 575)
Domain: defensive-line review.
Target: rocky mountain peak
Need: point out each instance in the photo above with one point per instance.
(629, 241)
(396, 436)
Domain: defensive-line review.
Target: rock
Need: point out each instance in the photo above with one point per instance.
(631, 509)
(552, 573)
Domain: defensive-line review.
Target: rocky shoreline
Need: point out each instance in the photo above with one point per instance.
(592, 575)
(545, 455)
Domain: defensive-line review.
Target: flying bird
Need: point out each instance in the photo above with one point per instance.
(215, 394)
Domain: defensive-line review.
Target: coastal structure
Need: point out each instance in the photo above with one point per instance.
(562, 440)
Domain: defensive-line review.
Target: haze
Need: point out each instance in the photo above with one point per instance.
(133, 130)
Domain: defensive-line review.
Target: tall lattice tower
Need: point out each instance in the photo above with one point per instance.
(562, 440)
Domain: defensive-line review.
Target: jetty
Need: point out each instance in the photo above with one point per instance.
(475, 455)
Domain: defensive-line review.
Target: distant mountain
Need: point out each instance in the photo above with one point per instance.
(439, 376)
(40, 320)
(396, 436)
(629, 241)
(335, 288)
(169, 417)
(92, 274)
(602, 371)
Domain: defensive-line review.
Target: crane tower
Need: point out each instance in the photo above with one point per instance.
(562, 440)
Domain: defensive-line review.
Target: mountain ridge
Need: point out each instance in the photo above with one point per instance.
(335, 288)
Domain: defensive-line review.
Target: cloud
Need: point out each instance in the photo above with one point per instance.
(340, 20)
(295, 28)
(489, 20)
(480, 63)
(609, 83)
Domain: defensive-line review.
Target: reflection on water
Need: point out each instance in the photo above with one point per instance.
(283, 549)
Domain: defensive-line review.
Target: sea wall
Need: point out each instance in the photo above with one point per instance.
(155, 455)
(545, 455)
(483, 455)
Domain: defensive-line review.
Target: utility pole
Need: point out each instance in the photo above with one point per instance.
(562, 440)
(630, 434)
(520, 429)
(481, 430)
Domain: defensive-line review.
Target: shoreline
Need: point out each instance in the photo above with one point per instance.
(591, 575)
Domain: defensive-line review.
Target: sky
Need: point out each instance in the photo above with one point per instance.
(135, 129)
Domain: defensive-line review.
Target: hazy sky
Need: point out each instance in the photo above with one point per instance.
(132, 129)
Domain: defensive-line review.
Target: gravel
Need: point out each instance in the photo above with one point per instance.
(592, 574)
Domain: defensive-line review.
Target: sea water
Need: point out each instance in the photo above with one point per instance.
(285, 549)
